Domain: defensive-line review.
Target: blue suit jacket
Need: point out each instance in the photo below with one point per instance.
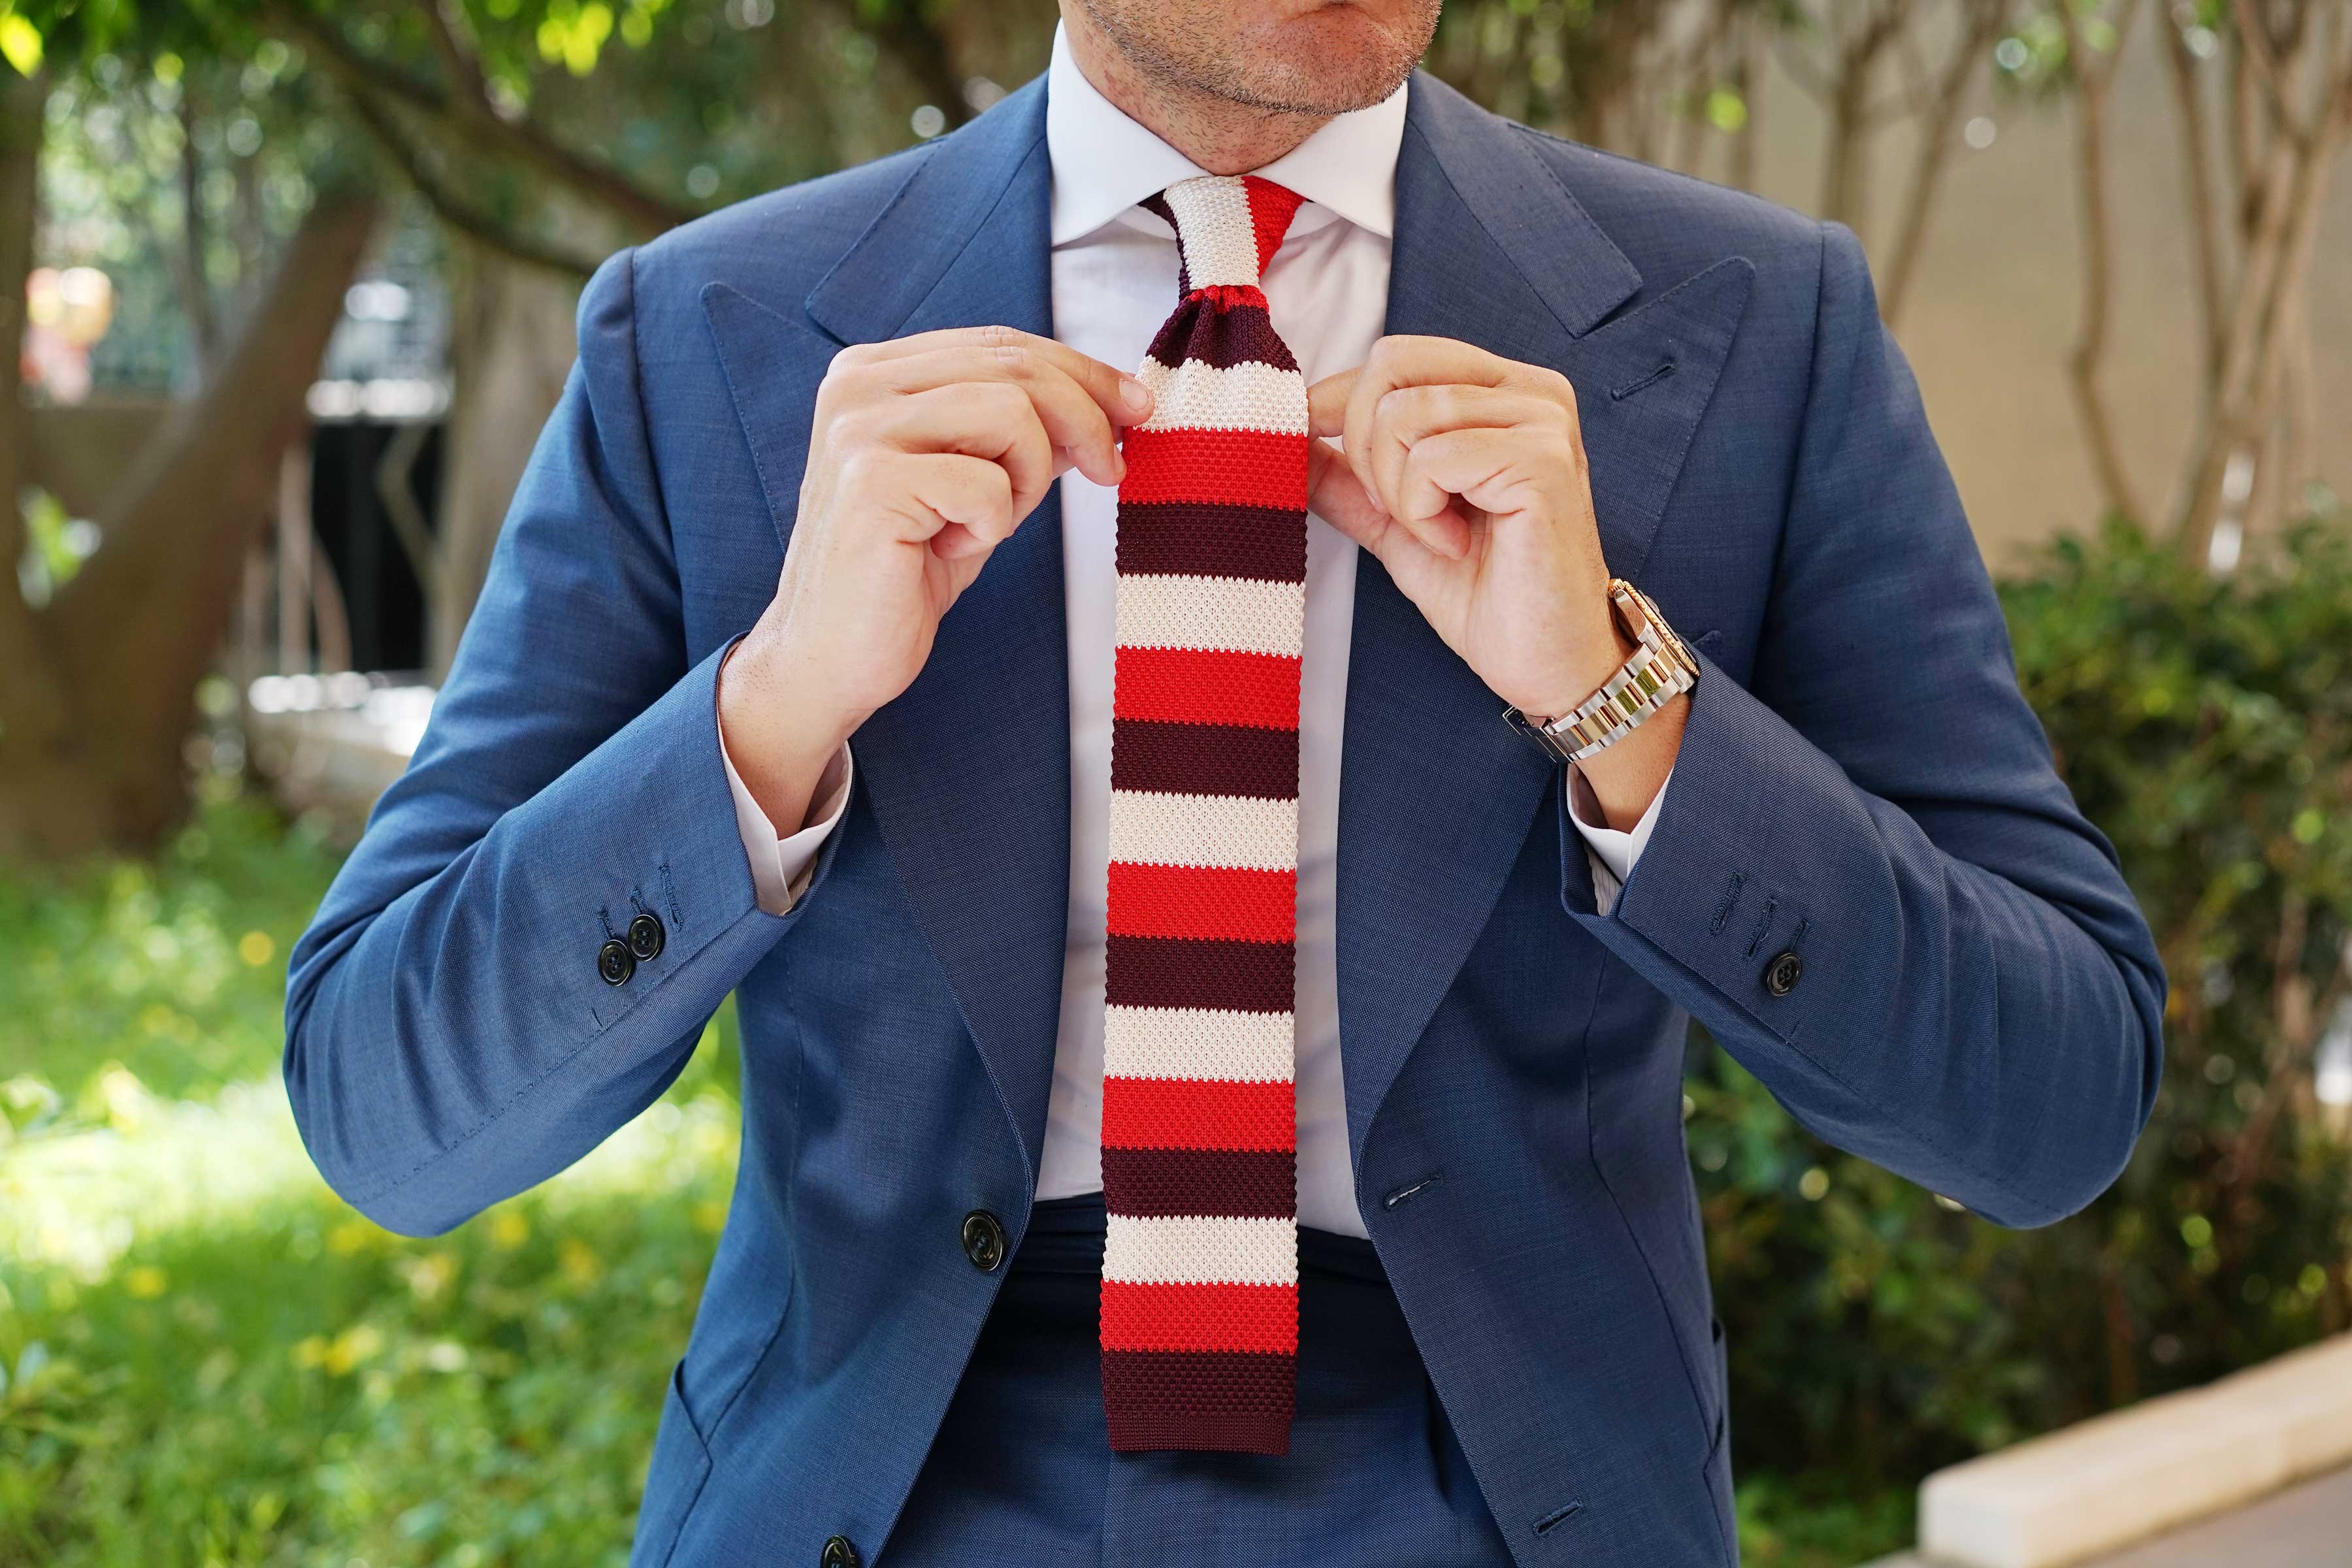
(1860, 782)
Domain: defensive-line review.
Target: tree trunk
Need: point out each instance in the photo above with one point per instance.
(131, 635)
(30, 706)
(510, 349)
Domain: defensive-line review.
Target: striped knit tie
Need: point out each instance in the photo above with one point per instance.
(1199, 1280)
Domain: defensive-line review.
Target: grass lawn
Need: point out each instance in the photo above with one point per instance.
(206, 1359)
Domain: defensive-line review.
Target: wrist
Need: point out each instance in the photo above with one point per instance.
(778, 730)
(1594, 658)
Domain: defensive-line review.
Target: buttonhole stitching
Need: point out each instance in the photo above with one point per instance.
(1560, 1515)
(1638, 383)
(670, 894)
(1762, 925)
(1401, 1193)
(1730, 898)
(1799, 934)
(605, 919)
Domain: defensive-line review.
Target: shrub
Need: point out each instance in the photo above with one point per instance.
(2207, 725)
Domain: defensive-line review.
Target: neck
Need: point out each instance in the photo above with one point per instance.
(1220, 135)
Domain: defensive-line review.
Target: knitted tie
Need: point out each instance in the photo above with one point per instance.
(1200, 1278)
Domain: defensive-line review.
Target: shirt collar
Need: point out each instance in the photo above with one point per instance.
(1104, 161)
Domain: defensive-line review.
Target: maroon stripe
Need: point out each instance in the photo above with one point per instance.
(1223, 336)
(1231, 1400)
(1156, 205)
(1212, 539)
(1204, 759)
(1184, 972)
(1241, 1182)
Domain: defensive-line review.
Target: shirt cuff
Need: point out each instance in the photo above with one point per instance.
(780, 864)
(1610, 852)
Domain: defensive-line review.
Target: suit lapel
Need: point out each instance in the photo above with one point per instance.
(967, 772)
(1436, 794)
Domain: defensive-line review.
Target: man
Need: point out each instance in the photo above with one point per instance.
(1212, 1076)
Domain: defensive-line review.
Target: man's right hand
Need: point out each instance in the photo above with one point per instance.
(926, 453)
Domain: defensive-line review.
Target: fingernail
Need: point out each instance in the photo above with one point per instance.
(1134, 393)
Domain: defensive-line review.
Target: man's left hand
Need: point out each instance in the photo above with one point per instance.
(1465, 475)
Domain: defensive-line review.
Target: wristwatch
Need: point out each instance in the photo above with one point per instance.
(1661, 667)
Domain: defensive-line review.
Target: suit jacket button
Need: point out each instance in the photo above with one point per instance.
(983, 1240)
(837, 1553)
(646, 938)
(615, 964)
(1782, 975)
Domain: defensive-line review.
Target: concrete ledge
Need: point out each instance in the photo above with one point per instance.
(2119, 1478)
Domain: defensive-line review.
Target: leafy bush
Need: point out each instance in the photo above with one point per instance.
(205, 1358)
(1876, 1333)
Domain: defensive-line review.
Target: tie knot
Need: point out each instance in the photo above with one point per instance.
(1228, 228)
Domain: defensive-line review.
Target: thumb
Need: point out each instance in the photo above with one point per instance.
(1326, 403)
(1340, 499)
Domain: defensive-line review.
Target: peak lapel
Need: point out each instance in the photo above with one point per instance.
(968, 770)
(1436, 794)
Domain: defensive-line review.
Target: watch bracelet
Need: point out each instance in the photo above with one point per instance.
(1659, 669)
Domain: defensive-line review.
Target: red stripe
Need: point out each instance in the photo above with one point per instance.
(1207, 903)
(1239, 467)
(1198, 1113)
(1200, 1316)
(1271, 208)
(1197, 686)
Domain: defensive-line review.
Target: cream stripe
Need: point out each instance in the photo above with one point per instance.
(1148, 828)
(1198, 1249)
(1236, 613)
(1214, 217)
(1198, 396)
(1197, 1043)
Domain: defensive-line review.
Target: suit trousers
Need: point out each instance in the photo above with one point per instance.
(1022, 1474)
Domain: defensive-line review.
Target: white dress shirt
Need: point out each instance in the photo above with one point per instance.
(1114, 282)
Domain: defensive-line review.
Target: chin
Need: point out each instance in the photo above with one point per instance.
(1302, 57)
(1333, 58)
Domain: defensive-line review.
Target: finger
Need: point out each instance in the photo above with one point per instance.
(1340, 499)
(1407, 415)
(1123, 399)
(971, 499)
(1326, 402)
(1401, 360)
(1484, 468)
(1072, 417)
(994, 420)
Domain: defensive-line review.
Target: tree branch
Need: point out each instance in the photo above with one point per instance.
(447, 205)
(519, 139)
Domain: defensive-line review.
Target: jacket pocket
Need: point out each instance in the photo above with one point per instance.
(674, 1481)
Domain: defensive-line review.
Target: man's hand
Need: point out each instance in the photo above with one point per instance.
(926, 452)
(1465, 475)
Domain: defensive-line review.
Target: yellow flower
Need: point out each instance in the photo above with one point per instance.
(430, 1275)
(352, 1346)
(509, 1229)
(710, 1216)
(256, 948)
(309, 1352)
(146, 1282)
(579, 1262)
(351, 1236)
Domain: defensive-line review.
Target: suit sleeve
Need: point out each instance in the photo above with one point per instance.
(449, 1039)
(1979, 1005)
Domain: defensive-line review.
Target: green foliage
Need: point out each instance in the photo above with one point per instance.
(206, 1359)
(174, 972)
(1876, 1333)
